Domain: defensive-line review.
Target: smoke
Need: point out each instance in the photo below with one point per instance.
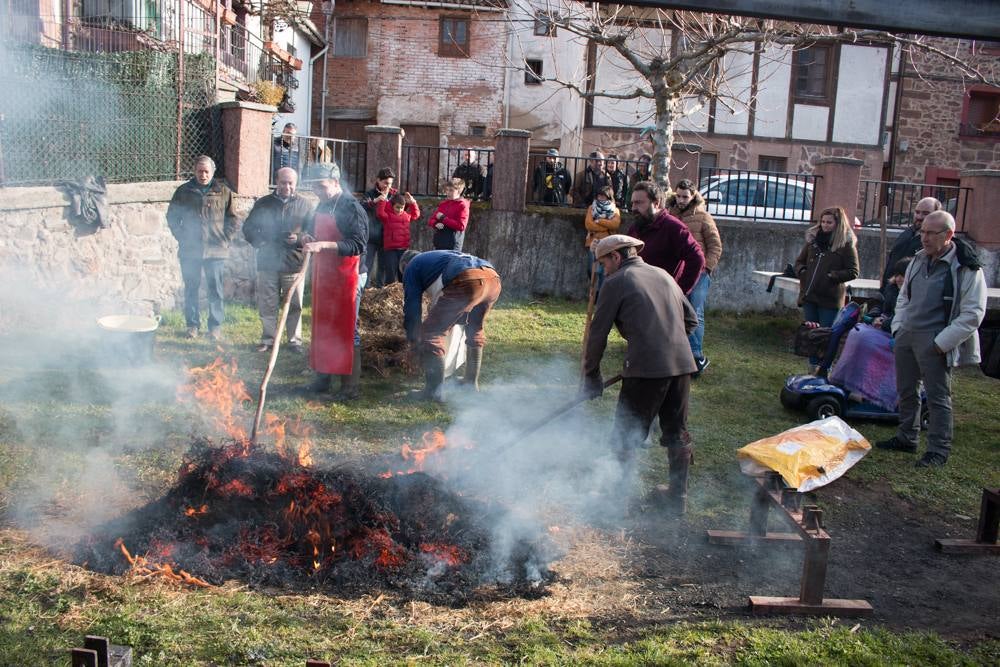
(563, 473)
(80, 400)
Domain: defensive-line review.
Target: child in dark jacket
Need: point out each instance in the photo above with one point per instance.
(890, 293)
(450, 218)
(395, 214)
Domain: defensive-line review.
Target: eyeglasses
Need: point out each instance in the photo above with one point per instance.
(931, 232)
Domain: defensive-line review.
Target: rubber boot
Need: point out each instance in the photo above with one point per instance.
(319, 384)
(473, 363)
(433, 378)
(350, 385)
(680, 457)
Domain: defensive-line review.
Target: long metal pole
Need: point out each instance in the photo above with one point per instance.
(590, 313)
(180, 86)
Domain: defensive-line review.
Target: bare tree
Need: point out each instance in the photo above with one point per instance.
(684, 59)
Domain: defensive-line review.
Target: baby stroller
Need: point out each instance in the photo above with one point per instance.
(862, 384)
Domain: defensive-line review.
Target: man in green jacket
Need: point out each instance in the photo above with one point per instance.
(202, 219)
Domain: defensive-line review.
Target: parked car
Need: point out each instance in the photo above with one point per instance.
(759, 196)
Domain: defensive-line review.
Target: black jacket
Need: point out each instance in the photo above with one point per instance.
(550, 183)
(906, 245)
(352, 222)
(204, 222)
(268, 226)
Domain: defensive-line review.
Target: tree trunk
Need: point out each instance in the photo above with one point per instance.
(663, 138)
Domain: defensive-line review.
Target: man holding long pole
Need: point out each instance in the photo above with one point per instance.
(650, 311)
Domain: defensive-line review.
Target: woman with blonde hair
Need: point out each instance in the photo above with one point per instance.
(319, 151)
(828, 261)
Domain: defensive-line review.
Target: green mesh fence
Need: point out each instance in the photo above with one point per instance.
(70, 114)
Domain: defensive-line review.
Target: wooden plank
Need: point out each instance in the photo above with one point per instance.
(966, 546)
(741, 537)
(763, 604)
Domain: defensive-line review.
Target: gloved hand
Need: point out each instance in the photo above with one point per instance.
(592, 386)
(439, 225)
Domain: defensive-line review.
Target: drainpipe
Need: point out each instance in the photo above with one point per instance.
(312, 68)
(328, 7)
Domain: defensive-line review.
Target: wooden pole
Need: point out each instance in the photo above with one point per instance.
(590, 313)
(299, 277)
(883, 242)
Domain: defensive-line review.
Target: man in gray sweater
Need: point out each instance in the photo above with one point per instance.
(941, 304)
(653, 316)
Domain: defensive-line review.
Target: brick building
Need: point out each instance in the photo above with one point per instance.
(942, 124)
(435, 69)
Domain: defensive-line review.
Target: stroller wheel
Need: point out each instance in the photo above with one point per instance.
(822, 407)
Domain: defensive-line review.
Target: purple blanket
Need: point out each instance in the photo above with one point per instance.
(866, 366)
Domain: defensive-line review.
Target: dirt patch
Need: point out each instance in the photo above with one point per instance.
(882, 551)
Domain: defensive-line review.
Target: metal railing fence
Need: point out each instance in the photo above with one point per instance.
(900, 199)
(424, 169)
(545, 187)
(301, 151)
(757, 195)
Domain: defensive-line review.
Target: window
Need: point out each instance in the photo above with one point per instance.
(981, 115)
(350, 39)
(533, 73)
(706, 163)
(545, 25)
(453, 38)
(782, 194)
(740, 192)
(477, 130)
(812, 69)
(768, 163)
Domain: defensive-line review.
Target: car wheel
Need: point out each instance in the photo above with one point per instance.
(822, 407)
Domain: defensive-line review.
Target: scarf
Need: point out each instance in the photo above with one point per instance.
(603, 209)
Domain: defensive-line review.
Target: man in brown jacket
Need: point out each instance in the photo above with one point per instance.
(688, 205)
(653, 316)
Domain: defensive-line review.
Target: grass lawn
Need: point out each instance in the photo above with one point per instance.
(78, 444)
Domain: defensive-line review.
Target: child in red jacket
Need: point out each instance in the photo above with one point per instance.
(451, 217)
(395, 214)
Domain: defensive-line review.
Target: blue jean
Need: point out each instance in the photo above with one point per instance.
(362, 280)
(191, 270)
(813, 313)
(825, 316)
(698, 298)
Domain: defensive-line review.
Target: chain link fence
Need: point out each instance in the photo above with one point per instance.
(69, 114)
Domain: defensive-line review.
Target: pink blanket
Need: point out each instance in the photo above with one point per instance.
(866, 366)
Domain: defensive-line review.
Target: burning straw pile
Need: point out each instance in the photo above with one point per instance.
(238, 511)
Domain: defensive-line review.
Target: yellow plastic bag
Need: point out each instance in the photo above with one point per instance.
(807, 456)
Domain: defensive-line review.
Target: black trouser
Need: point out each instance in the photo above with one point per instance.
(372, 264)
(642, 399)
(390, 266)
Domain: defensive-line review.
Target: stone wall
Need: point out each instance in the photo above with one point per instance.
(133, 264)
(130, 266)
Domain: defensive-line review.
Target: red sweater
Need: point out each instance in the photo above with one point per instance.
(456, 214)
(396, 226)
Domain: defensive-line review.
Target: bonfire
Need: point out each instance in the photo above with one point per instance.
(265, 515)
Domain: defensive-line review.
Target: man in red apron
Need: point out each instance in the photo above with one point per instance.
(340, 230)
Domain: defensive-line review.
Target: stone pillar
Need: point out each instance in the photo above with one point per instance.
(246, 135)
(979, 219)
(837, 183)
(510, 171)
(684, 161)
(385, 149)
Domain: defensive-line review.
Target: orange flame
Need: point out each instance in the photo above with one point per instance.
(196, 511)
(145, 568)
(236, 487)
(216, 387)
(432, 441)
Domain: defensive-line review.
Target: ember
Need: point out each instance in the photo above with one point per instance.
(240, 511)
(265, 519)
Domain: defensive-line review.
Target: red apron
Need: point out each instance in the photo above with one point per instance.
(334, 289)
